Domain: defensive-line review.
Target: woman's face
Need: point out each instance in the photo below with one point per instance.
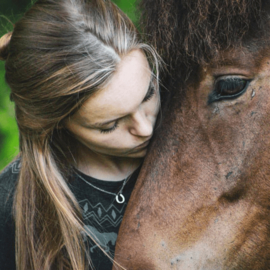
(119, 119)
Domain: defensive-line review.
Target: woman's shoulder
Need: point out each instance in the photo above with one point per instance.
(9, 176)
(8, 180)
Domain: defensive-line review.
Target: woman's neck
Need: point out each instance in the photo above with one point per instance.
(105, 167)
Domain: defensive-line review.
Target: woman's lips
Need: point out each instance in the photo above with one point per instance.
(143, 145)
(140, 147)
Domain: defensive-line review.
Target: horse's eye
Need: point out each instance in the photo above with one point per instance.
(228, 88)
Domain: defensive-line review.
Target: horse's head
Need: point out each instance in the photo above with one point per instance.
(202, 200)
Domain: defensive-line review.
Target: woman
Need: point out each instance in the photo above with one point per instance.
(86, 97)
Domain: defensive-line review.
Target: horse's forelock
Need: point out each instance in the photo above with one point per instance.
(190, 33)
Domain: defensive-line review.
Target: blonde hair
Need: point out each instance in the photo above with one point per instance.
(59, 53)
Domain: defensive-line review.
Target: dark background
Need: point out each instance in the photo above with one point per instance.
(10, 12)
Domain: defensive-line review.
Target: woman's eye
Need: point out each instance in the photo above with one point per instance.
(228, 88)
(150, 94)
(108, 130)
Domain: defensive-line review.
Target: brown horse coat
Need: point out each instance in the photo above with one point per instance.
(202, 200)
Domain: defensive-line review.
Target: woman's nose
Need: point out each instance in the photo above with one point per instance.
(141, 125)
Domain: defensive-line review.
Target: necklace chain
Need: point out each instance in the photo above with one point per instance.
(118, 196)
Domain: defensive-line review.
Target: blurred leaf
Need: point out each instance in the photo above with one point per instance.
(9, 143)
(129, 7)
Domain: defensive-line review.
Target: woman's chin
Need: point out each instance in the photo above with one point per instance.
(138, 153)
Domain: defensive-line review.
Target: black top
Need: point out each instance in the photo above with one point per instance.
(102, 214)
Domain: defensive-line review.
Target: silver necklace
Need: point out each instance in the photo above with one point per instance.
(119, 197)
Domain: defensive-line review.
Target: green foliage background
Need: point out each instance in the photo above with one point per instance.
(10, 12)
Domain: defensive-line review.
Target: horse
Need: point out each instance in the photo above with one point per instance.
(202, 199)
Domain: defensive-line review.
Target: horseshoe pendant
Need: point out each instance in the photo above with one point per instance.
(122, 198)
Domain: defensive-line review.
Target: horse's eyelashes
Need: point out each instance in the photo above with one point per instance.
(228, 88)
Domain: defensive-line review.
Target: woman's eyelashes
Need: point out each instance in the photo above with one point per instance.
(108, 130)
(149, 94)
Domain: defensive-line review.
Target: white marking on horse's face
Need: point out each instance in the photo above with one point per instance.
(163, 244)
(199, 257)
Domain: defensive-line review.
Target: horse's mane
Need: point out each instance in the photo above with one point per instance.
(188, 33)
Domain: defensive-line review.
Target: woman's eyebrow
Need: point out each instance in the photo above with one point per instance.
(113, 120)
(106, 123)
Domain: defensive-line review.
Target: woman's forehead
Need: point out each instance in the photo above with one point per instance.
(123, 94)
